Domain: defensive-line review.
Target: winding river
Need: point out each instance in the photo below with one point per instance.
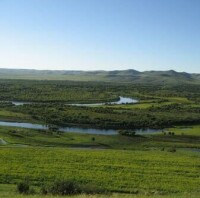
(75, 129)
(122, 100)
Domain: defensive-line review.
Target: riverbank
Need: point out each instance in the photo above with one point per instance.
(75, 129)
(32, 137)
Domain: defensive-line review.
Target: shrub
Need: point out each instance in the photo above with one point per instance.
(127, 133)
(173, 150)
(162, 149)
(23, 187)
(92, 189)
(63, 188)
(70, 188)
(44, 190)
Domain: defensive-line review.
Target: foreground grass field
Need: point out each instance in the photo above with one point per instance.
(114, 170)
(140, 165)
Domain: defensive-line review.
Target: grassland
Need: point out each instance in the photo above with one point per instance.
(164, 164)
(186, 130)
(118, 164)
(117, 171)
(14, 116)
(183, 138)
(160, 106)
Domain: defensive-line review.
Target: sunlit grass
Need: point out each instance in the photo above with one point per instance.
(114, 170)
(186, 130)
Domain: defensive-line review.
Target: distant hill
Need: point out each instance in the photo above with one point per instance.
(131, 76)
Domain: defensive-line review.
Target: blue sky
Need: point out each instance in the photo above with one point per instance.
(100, 34)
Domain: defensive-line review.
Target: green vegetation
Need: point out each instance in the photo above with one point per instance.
(164, 164)
(27, 137)
(55, 91)
(152, 168)
(160, 171)
(15, 116)
(8, 191)
(160, 106)
(111, 117)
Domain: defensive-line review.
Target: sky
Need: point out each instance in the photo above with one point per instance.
(100, 34)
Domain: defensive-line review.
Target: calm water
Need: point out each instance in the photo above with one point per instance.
(75, 129)
(20, 103)
(122, 100)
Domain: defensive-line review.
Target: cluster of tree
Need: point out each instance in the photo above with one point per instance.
(156, 117)
(87, 92)
(129, 133)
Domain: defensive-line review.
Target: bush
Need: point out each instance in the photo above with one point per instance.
(173, 150)
(162, 149)
(44, 190)
(127, 133)
(23, 187)
(70, 188)
(92, 189)
(63, 188)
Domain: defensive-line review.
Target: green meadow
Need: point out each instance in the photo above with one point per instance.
(113, 170)
(140, 166)
(161, 164)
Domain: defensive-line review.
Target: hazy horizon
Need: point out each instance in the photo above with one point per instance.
(100, 35)
(94, 70)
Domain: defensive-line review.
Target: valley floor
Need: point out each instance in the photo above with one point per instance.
(156, 165)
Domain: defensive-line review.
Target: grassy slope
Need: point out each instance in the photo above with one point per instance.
(115, 170)
(146, 169)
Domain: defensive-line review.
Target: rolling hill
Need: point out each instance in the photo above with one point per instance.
(126, 76)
